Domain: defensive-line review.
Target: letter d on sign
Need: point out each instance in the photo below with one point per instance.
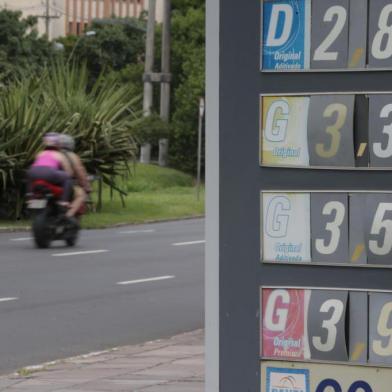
(287, 12)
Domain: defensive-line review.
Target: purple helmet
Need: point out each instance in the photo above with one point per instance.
(52, 139)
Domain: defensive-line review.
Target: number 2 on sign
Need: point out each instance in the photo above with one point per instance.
(333, 130)
(321, 53)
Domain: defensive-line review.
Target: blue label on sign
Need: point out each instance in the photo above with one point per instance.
(287, 380)
(286, 35)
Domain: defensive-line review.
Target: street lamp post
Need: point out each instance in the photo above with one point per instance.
(199, 145)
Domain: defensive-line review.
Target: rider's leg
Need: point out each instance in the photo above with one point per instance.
(80, 197)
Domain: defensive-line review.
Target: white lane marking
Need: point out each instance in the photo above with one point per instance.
(146, 280)
(189, 243)
(9, 299)
(87, 252)
(22, 239)
(137, 231)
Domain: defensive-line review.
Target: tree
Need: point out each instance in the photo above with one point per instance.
(21, 49)
(188, 64)
(116, 44)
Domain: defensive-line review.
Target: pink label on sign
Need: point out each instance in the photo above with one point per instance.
(283, 323)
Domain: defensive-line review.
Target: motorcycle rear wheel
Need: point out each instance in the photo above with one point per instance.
(41, 231)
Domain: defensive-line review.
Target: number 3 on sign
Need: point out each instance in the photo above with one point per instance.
(329, 325)
(340, 111)
(333, 227)
(331, 130)
(326, 325)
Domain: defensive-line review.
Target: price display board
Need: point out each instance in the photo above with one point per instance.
(299, 196)
(313, 325)
(326, 35)
(341, 228)
(323, 131)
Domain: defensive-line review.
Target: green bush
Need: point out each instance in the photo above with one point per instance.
(101, 120)
(188, 54)
(150, 129)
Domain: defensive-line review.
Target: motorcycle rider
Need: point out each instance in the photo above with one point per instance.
(51, 165)
(81, 183)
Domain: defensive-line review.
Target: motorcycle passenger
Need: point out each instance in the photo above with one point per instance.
(81, 183)
(50, 165)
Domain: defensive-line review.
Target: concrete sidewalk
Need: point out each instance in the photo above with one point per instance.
(172, 365)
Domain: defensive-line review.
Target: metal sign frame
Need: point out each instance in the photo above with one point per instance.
(310, 70)
(343, 264)
(234, 273)
(310, 167)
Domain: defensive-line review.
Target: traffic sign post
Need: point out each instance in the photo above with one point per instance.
(299, 196)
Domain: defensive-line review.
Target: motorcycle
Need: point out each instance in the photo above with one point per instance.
(49, 220)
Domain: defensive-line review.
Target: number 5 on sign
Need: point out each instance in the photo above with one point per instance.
(379, 228)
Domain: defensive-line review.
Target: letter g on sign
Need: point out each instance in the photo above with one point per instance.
(276, 318)
(276, 223)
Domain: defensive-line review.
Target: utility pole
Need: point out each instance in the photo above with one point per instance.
(149, 61)
(165, 79)
(48, 17)
(199, 145)
(166, 76)
(47, 20)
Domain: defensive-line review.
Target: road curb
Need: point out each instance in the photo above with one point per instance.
(100, 356)
(24, 229)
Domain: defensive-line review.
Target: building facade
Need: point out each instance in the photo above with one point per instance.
(62, 17)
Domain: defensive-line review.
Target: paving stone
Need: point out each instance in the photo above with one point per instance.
(171, 365)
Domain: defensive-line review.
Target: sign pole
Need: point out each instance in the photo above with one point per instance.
(199, 145)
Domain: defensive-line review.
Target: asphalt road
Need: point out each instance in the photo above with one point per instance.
(117, 287)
